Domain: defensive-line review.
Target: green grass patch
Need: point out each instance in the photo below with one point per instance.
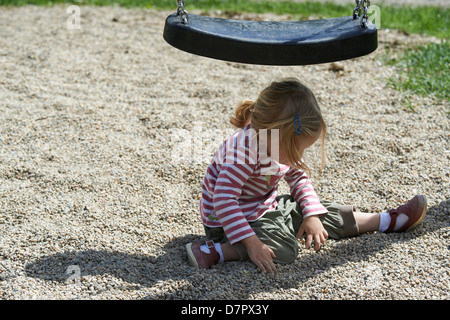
(424, 70)
(423, 20)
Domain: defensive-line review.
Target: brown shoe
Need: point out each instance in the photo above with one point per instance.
(200, 259)
(414, 209)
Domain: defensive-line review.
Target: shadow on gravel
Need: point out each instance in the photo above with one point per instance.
(137, 270)
(236, 279)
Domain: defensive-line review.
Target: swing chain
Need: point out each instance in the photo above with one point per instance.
(362, 6)
(184, 17)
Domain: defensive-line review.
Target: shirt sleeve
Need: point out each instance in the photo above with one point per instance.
(227, 191)
(304, 193)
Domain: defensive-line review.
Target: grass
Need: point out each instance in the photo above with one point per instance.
(424, 70)
(428, 20)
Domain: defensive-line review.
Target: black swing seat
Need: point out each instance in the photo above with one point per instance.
(271, 42)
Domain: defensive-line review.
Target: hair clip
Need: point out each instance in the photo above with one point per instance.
(297, 125)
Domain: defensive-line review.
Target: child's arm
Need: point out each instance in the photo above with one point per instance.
(303, 192)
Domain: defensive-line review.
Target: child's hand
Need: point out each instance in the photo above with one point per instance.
(260, 254)
(314, 230)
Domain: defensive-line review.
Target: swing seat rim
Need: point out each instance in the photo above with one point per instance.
(271, 42)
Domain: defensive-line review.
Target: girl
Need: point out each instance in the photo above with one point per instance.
(242, 215)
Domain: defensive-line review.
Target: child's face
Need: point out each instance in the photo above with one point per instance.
(303, 142)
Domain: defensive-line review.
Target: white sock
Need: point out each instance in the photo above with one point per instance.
(385, 220)
(218, 248)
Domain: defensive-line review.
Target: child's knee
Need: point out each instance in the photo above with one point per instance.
(286, 253)
(282, 242)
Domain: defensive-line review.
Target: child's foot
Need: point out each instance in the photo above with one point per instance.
(409, 215)
(199, 258)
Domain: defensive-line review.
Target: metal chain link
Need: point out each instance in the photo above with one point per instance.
(362, 6)
(357, 10)
(184, 16)
(365, 17)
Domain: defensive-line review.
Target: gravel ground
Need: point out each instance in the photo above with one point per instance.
(99, 191)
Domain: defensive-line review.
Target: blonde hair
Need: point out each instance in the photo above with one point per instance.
(276, 108)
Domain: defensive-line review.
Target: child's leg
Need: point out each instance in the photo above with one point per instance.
(275, 232)
(274, 229)
(340, 221)
(400, 219)
(229, 254)
(270, 229)
(367, 222)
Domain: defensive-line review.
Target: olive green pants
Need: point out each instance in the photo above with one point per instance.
(278, 228)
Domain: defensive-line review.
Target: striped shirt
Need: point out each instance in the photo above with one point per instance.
(240, 185)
